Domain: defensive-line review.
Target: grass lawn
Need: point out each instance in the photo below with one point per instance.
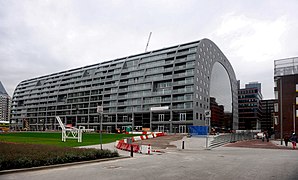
(54, 138)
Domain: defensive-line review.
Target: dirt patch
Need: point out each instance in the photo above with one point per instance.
(162, 142)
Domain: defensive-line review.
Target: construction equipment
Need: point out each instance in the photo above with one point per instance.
(148, 42)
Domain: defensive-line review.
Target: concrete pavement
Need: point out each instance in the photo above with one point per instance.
(191, 163)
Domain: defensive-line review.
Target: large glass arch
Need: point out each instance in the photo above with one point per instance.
(220, 99)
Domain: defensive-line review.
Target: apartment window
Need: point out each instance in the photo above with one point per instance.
(197, 115)
(161, 117)
(296, 87)
(182, 116)
(95, 119)
(296, 100)
(276, 106)
(83, 120)
(160, 128)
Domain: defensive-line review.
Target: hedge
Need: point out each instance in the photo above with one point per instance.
(15, 156)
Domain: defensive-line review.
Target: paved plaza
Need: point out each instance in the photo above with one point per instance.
(194, 162)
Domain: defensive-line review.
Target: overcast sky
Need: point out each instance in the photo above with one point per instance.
(39, 37)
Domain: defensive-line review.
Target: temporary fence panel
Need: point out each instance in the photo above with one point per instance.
(198, 130)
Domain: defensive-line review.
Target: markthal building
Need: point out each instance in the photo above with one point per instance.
(163, 90)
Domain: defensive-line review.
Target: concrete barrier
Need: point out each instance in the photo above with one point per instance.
(146, 149)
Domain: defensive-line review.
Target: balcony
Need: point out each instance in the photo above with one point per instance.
(183, 82)
(162, 92)
(183, 90)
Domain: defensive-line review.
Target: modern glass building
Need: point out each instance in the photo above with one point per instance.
(250, 108)
(164, 90)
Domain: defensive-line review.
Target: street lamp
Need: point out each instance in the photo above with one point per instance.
(77, 112)
(100, 111)
(171, 126)
(294, 117)
(101, 130)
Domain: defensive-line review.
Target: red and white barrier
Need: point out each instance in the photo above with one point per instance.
(136, 138)
(144, 149)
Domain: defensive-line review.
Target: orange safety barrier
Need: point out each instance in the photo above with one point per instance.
(127, 147)
(118, 145)
(137, 148)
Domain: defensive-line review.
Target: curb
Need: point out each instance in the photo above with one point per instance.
(60, 165)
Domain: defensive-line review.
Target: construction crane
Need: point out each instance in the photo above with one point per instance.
(148, 42)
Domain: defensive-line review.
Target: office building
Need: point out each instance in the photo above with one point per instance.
(254, 85)
(250, 108)
(5, 102)
(268, 113)
(217, 114)
(162, 90)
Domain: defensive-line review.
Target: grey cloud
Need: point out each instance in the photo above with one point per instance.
(42, 37)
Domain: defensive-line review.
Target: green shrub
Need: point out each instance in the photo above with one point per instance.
(14, 156)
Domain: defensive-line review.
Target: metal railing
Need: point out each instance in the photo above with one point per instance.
(223, 139)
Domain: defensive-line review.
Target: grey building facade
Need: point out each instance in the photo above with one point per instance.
(164, 90)
(5, 102)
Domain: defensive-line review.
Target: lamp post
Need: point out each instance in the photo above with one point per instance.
(294, 118)
(100, 111)
(100, 138)
(171, 126)
(77, 112)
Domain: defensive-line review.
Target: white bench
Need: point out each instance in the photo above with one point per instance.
(72, 133)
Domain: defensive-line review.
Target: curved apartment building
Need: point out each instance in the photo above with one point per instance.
(164, 90)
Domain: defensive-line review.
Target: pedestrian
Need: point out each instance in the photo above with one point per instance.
(263, 136)
(286, 139)
(267, 136)
(293, 139)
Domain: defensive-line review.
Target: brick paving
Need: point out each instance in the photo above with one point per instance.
(258, 143)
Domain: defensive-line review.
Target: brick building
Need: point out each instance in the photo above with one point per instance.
(286, 91)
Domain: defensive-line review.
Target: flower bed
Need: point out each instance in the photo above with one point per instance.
(15, 156)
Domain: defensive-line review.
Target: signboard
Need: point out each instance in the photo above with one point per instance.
(159, 108)
(208, 113)
(99, 109)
